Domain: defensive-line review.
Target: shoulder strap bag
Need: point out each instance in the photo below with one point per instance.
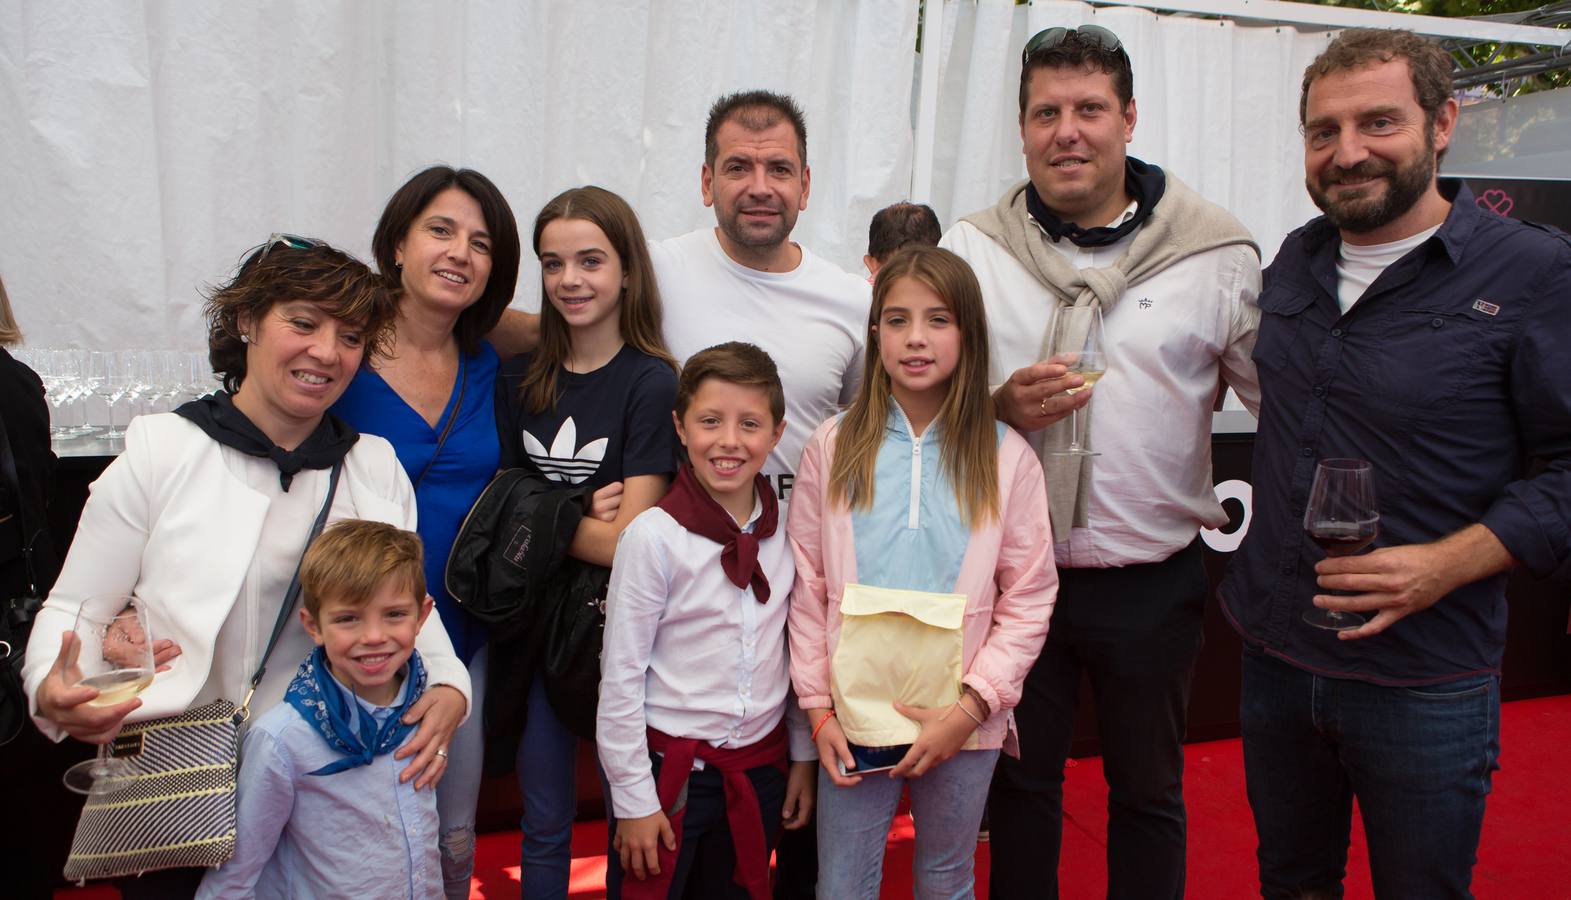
(177, 809)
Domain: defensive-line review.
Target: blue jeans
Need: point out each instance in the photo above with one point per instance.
(459, 789)
(547, 753)
(946, 804)
(1419, 760)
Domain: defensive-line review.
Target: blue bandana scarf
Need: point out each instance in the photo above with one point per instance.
(323, 703)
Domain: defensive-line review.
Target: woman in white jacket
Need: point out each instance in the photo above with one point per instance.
(206, 513)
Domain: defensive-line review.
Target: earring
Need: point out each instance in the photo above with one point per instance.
(399, 266)
(245, 338)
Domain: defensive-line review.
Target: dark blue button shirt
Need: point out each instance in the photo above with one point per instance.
(1452, 374)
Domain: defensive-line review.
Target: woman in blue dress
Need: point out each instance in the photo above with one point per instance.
(450, 239)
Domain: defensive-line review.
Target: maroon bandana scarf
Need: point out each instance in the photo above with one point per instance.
(691, 506)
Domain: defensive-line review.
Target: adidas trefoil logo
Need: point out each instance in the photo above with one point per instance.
(565, 461)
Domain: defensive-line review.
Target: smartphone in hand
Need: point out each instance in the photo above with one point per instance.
(873, 759)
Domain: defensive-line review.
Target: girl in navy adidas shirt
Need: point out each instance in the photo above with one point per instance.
(589, 407)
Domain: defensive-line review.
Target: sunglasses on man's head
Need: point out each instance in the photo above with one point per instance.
(1048, 38)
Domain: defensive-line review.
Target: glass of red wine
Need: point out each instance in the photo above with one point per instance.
(1343, 519)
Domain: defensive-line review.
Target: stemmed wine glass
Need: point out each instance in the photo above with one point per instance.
(1077, 332)
(111, 381)
(1343, 519)
(115, 656)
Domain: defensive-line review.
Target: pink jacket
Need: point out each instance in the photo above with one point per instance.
(1008, 576)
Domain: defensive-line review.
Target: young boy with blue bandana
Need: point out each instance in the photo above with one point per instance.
(321, 811)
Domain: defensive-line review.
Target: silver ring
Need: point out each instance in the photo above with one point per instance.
(442, 753)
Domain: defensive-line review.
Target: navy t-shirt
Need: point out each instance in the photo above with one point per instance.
(608, 425)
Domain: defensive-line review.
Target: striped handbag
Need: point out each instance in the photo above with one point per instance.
(176, 809)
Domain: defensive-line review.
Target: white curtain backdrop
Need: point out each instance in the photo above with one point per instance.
(1217, 105)
(145, 146)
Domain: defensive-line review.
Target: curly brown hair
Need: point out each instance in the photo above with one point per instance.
(279, 272)
(1428, 65)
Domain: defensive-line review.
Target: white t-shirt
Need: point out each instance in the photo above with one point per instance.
(1170, 341)
(810, 320)
(1358, 265)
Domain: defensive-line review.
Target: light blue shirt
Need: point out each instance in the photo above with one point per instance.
(913, 537)
(356, 833)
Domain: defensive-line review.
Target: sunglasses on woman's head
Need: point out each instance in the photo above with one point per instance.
(1048, 38)
(292, 241)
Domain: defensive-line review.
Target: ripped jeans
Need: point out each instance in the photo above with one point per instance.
(459, 790)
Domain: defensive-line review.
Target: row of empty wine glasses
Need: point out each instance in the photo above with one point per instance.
(98, 392)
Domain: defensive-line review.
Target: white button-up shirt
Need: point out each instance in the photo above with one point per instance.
(689, 653)
(1170, 341)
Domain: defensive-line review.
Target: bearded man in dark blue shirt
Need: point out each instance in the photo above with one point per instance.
(1410, 328)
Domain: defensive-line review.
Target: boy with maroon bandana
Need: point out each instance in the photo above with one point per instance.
(692, 727)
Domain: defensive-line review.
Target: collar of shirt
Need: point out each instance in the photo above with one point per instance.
(377, 712)
(1087, 256)
(1322, 240)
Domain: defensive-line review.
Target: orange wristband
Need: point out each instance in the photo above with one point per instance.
(820, 726)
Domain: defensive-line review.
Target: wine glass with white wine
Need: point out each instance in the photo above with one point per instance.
(1077, 333)
(115, 657)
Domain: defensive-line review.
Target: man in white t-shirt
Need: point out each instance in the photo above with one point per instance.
(745, 279)
(1175, 278)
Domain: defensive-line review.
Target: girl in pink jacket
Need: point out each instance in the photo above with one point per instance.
(925, 580)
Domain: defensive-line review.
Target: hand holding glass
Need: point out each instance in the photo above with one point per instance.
(1077, 334)
(1342, 519)
(115, 658)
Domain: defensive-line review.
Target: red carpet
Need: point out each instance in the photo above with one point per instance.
(1525, 853)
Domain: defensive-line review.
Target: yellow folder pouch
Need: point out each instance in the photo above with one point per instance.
(894, 645)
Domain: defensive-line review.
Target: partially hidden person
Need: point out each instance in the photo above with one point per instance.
(896, 227)
(29, 562)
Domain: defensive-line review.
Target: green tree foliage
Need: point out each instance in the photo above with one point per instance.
(1455, 9)
(1480, 53)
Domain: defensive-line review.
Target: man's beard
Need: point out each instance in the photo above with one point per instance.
(1405, 186)
(754, 238)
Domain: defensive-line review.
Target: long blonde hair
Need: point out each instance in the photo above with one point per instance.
(639, 318)
(10, 333)
(968, 434)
